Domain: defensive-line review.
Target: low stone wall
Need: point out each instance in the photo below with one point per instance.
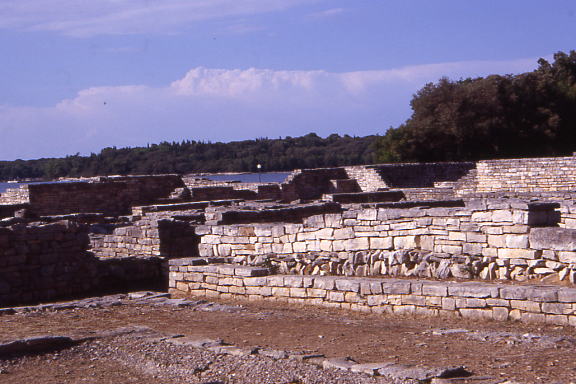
(486, 239)
(486, 301)
(268, 214)
(109, 195)
(523, 175)
(46, 262)
(311, 184)
(156, 234)
(42, 262)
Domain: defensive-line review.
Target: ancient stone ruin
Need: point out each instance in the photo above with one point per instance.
(490, 240)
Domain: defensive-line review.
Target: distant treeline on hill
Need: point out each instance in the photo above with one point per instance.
(310, 151)
(532, 114)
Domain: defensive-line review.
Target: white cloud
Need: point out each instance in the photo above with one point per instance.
(326, 13)
(224, 105)
(88, 18)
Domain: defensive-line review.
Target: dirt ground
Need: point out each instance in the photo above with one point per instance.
(517, 352)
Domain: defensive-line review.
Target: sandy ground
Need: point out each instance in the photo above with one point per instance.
(513, 351)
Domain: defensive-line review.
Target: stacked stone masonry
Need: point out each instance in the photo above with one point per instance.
(329, 237)
(473, 300)
(506, 240)
(111, 195)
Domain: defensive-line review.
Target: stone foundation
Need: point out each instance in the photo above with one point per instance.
(481, 301)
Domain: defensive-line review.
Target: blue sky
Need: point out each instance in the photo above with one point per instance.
(80, 76)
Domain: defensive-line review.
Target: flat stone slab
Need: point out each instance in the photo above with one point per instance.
(34, 345)
(343, 363)
(403, 372)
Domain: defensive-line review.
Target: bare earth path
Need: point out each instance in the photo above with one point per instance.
(517, 352)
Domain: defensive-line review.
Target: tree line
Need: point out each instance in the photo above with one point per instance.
(526, 115)
(283, 154)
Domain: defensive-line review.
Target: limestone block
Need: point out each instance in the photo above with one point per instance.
(352, 297)
(559, 239)
(381, 243)
(406, 242)
(502, 215)
(490, 230)
(514, 253)
(277, 231)
(255, 281)
(567, 295)
(298, 292)
(367, 214)
(557, 319)
(317, 293)
(344, 233)
(316, 221)
(475, 314)
(529, 317)
(456, 236)
(325, 234)
(396, 287)
(281, 291)
(313, 246)
(500, 313)
(376, 287)
(558, 308)
(326, 245)
(335, 296)
(433, 301)
(498, 241)
(451, 249)
(300, 246)
(481, 216)
(403, 226)
(543, 294)
(414, 300)
(475, 290)
(567, 256)
(348, 285)
(275, 281)
(473, 303)
(333, 220)
(338, 245)
(293, 281)
(472, 248)
(404, 309)
(356, 244)
(435, 289)
(325, 283)
(516, 241)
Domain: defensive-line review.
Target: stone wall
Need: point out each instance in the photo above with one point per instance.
(15, 196)
(41, 262)
(367, 178)
(474, 300)
(486, 239)
(311, 184)
(109, 195)
(155, 234)
(522, 175)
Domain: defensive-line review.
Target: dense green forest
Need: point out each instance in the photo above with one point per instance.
(310, 151)
(526, 115)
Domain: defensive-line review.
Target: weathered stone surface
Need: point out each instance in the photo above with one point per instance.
(559, 239)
